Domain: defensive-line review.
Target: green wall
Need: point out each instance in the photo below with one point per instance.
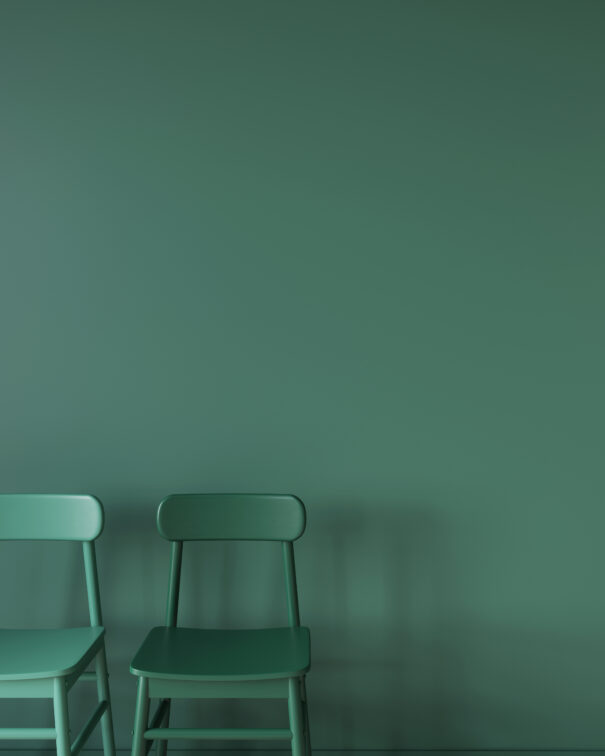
(350, 250)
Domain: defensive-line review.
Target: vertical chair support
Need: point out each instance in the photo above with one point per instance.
(109, 746)
(305, 707)
(140, 718)
(295, 714)
(294, 620)
(92, 583)
(174, 583)
(291, 590)
(61, 716)
(172, 610)
(162, 745)
(96, 619)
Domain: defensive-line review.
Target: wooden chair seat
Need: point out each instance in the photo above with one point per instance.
(35, 654)
(196, 654)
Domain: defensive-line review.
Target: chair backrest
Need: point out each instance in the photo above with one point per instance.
(50, 517)
(231, 517)
(58, 517)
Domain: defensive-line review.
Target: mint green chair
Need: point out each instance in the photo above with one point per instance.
(176, 662)
(47, 663)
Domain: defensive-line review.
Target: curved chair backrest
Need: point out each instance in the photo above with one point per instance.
(231, 517)
(58, 517)
(50, 517)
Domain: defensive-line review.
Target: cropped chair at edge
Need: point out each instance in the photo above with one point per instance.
(47, 663)
(175, 662)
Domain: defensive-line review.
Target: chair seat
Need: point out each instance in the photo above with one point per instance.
(31, 654)
(181, 653)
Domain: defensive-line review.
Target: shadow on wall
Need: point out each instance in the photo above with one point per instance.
(430, 631)
(375, 588)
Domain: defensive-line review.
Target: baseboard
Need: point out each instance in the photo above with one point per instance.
(5, 751)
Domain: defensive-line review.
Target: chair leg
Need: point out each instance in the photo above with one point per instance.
(109, 746)
(306, 725)
(295, 712)
(162, 745)
(140, 718)
(61, 717)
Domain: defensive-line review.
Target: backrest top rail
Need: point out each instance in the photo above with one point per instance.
(228, 516)
(50, 517)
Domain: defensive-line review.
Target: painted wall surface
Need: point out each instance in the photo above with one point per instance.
(349, 250)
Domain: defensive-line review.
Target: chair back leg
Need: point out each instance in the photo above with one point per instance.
(162, 745)
(296, 720)
(109, 746)
(306, 725)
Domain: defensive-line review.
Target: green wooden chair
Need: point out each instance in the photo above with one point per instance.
(47, 663)
(175, 662)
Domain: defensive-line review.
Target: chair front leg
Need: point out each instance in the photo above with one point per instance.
(295, 714)
(61, 716)
(140, 718)
(109, 746)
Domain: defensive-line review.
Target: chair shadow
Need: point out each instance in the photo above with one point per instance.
(378, 655)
